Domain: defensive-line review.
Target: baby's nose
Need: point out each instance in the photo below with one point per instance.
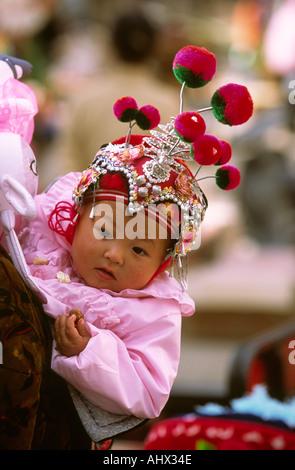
(115, 252)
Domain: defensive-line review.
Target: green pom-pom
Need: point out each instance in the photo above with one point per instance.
(191, 80)
(218, 104)
(128, 115)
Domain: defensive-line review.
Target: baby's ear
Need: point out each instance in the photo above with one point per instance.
(18, 197)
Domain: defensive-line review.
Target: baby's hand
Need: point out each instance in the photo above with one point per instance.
(70, 339)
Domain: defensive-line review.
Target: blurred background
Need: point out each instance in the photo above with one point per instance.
(88, 53)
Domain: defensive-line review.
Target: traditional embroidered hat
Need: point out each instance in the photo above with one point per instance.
(152, 171)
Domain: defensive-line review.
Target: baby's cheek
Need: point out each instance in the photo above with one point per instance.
(141, 276)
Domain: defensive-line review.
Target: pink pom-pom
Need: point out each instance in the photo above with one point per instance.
(148, 117)
(195, 66)
(227, 177)
(226, 153)
(189, 126)
(232, 104)
(125, 109)
(206, 150)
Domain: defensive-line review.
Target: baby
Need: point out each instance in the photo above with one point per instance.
(101, 244)
(107, 256)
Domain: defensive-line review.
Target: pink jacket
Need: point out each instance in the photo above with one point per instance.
(131, 361)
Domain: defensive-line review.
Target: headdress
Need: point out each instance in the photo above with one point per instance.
(152, 169)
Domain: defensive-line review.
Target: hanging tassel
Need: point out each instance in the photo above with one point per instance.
(91, 215)
(186, 273)
(179, 262)
(182, 272)
(171, 272)
(75, 219)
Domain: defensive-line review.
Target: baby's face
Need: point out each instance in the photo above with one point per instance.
(106, 254)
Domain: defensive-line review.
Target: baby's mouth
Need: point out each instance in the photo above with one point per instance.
(105, 274)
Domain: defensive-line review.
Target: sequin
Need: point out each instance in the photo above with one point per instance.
(140, 180)
(156, 190)
(143, 192)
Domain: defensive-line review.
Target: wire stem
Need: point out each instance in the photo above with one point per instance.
(204, 109)
(181, 98)
(197, 172)
(205, 177)
(127, 140)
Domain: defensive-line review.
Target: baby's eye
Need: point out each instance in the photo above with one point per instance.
(106, 234)
(101, 232)
(139, 251)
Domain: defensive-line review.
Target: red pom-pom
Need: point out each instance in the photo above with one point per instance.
(232, 104)
(135, 139)
(227, 177)
(195, 66)
(147, 117)
(125, 109)
(226, 153)
(206, 150)
(189, 126)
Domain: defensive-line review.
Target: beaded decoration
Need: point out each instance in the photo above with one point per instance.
(155, 168)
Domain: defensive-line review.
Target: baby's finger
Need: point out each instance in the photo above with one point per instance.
(70, 328)
(57, 327)
(82, 330)
(61, 328)
(58, 332)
